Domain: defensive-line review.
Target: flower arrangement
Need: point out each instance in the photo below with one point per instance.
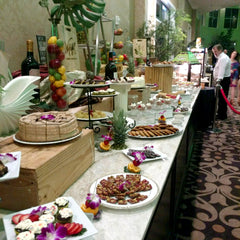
(133, 166)
(162, 118)
(92, 205)
(105, 145)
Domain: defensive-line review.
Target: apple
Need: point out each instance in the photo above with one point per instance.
(55, 97)
(61, 56)
(53, 87)
(61, 91)
(61, 103)
(53, 48)
(54, 63)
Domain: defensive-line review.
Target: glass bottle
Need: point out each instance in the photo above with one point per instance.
(111, 69)
(30, 67)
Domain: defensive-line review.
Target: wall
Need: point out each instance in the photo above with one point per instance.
(208, 34)
(21, 20)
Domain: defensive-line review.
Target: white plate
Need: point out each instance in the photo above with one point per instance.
(152, 194)
(156, 137)
(13, 167)
(104, 95)
(79, 217)
(86, 85)
(45, 143)
(185, 112)
(108, 114)
(130, 123)
(161, 155)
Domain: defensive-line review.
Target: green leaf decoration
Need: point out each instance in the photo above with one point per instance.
(81, 14)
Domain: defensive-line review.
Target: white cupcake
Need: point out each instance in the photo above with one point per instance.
(48, 218)
(25, 236)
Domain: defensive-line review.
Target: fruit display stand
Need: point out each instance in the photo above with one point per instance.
(46, 171)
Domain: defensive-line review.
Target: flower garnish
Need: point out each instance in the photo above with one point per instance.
(148, 147)
(8, 157)
(107, 139)
(72, 82)
(39, 211)
(50, 233)
(155, 85)
(138, 158)
(93, 201)
(122, 187)
(162, 112)
(47, 117)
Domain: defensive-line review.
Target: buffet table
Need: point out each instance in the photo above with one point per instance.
(134, 223)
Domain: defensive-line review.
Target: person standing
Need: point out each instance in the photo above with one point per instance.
(234, 75)
(221, 74)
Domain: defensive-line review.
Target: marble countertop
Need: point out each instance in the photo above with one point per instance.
(131, 223)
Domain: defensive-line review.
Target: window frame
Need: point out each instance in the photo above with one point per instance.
(229, 18)
(212, 19)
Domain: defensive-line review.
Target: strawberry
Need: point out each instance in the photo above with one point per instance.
(33, 217)
(15, 218)
(24, 217)
(74, 228)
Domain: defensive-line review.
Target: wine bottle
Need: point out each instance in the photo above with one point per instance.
(30, 67)
(111, 69)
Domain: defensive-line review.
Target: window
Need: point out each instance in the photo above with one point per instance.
(213, 19)
(162, 11)
(231, 18)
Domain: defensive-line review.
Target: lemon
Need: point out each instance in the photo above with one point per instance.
(52, 40)
(51, 78)
(62, 69)
(120, 58)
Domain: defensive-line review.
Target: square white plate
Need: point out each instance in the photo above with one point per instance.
(162, 156)
(13, 167)
(78, 216)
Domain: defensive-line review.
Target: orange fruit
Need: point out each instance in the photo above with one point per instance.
(133, 168)
(89, 210)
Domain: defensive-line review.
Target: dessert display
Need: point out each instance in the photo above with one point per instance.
(108, 91)
(47, 126)
(151, 131)
(180, 109)
(123, 189)
(35, 224)
(90, 79)
(94, 114)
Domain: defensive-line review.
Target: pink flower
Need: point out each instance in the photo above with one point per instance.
(48, 117)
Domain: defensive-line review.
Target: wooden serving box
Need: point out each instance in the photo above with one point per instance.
(161, 75)
(46, 171)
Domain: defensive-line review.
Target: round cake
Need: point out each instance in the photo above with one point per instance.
(47, 126)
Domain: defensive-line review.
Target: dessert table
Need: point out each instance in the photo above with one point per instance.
(134, 223)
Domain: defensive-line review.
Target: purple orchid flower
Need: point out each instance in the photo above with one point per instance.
(106, 137)
(39, 211)
(138, 158)
(122, 187)
(92, 200)
(148, 147)
(72, 82)
(50, 233)
(8, 157)
(48, 117)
